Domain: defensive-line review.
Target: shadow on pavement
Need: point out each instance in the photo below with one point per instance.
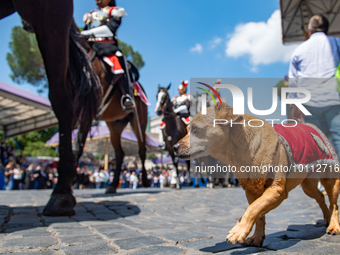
(291, 240)
(121, 193)
(21, 218)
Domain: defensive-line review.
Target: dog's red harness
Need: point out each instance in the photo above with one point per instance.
(306, 145)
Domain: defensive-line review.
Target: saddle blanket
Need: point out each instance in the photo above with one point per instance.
(141, 93)
(306, 144)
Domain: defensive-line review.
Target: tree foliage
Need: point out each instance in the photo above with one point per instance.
(133, 56)
(25, 59)
(27, 65)
(33, 143)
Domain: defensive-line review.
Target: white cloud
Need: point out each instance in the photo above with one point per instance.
(198, 48)
(214, 42)
(261, 41)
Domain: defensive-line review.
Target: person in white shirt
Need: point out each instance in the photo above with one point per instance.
(161, 180)
(313, 65)
(134, 180)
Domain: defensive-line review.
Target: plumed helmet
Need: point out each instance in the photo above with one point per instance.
(112, 3)
(218, 81)
(183, 85)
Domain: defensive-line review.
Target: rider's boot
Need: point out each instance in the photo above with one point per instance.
(127, 103)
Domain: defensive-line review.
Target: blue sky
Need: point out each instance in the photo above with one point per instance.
(180, 40)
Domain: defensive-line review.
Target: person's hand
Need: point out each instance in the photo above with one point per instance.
(297, 114)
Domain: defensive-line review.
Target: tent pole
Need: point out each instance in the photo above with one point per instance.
(106, 157)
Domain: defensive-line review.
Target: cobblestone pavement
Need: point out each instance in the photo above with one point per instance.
(148, 221)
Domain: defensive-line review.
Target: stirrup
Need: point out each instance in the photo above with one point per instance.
(131, 104)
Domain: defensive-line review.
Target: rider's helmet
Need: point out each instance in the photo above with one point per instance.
(218, 81)
(183, 86)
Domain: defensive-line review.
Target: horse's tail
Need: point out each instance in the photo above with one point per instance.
(87, 88)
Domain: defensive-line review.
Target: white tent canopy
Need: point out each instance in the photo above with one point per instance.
(295, 15)
(22, 112)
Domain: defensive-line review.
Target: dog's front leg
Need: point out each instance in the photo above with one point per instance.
(270, 199)
(259, 235)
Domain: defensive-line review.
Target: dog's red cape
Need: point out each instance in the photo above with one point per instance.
(305, 144)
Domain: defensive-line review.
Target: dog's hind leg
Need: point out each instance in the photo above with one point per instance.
(259, 235)
(332, 189)
(310, 187)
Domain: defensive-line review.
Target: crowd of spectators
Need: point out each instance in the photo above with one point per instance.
(18, 173)
(129, 178)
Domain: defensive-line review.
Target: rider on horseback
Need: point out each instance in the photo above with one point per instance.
(182, 102)
(101, 27)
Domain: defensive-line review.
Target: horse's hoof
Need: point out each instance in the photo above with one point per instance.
(172, 186)
(197, 186)
(60, 205)
(110, 190)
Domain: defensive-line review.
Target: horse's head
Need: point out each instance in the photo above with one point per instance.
(163, 100)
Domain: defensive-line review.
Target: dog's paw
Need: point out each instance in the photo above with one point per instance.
(255, 240)
(237, 234)
(333, 229)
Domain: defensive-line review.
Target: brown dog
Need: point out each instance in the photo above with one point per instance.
(240, 145)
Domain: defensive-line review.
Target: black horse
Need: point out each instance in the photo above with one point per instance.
(73, 85)
(174, 130)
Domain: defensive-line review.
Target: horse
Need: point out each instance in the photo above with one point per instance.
(116, 118)
(174, 129)
(74, 88)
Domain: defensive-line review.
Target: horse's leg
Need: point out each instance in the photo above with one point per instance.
(188, 171)
(175, 162)
(196, 181)
(142, 115)
(116, 129)
(53, 44)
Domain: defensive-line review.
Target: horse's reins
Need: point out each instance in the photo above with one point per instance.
(169, 114)
(103, 106)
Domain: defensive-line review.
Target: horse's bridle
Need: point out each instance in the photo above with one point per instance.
(165, 105)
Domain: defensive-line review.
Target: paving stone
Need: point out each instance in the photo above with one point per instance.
(65, 225)
(138, 242)
(33, 253)
(159, 250)
(293, 245)
(249, 250)
(209, 245)
(29, 242)
(330, 249)
(31, 232)
(79, 239)
(178, 236)
(74, 231)
(331, 238)
(122, 235)
(99, 248)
